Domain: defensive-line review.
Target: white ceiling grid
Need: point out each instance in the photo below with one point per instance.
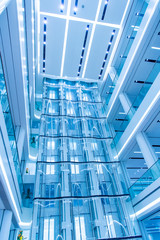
(65, 34)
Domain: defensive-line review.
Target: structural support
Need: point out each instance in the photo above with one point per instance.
(146, 149)
(6, 225)
(3, 5)
(126, 104)
(65, 191)
(99, 222)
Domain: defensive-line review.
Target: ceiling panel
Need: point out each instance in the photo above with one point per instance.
(99, 47)
(113, 11)
(85, 9)
(75, 41)
(54, 45)
(52, 6)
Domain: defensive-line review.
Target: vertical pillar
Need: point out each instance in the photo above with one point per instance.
(3, 5)
(126, 104)
(6, 225)
(99, 222)
(16, 233)
(21, 142)
(66, 218)
(34, 220)
(146, 149)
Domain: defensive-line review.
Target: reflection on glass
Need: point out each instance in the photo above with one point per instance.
(9, 125)
(79, 184)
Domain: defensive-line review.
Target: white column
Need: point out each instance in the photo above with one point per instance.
(97, 204)
(65, 191)
(3, 5)
(126, 104)
(21, 142)
(6, 225)
(146, 149)
(34, 221)
(16, 233)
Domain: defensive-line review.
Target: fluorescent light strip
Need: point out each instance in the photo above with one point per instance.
(44, 43)
(106, 55)
(136, 49)
(91, 38)
(83, 50)
(38, 27)
(142, 118)
(80, 19)
(65, 37)
(146, 207)
(11, 195)
(156, 48)
(116, 43)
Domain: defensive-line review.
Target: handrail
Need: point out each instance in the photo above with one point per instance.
(10, 127)
(152, 174)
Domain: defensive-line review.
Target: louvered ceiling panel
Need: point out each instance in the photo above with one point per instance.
(54, 45)
(99, 47)
(74, 47)
(65, 35)
(86, 9)
(114, 11)
(53, 6)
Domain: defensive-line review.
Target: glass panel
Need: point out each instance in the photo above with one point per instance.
(152, 227)
(9, 125)
(79, 184)
(115, 223)
(134, 24)
(147, 179)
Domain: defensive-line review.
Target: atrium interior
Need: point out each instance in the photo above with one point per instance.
(79, 119)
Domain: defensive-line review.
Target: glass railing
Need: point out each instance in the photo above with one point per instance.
(52, 127)
(70, 84)
(75, 173)
(138, 99)
(76, 149)
(10, 126)
(85, 219)
(71, 95)
(131, 34)
(81, 182)
(27, 195)
(73, 109)
(151, 175)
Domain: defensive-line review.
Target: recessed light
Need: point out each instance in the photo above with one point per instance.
(75, 9)
(61, 6)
